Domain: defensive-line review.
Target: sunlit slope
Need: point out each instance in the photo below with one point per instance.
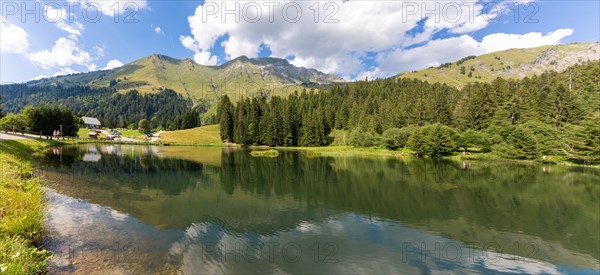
(238, 77)
(206, 135)
(513, 63)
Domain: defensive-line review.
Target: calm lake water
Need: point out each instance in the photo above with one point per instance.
(135, 209)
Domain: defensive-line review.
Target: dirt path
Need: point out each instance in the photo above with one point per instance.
(156, 136)
(11, 136)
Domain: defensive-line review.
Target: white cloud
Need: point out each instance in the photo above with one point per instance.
(14, 38)
(203, 57)
(369, 74)
(438, 51)
(344, 65)
(111, 8)
(65, 71)
(60, 17)
(188, 43)
(503, 41)
(112, 64)
(39, 77)
(157, 30)
(355, 28)
(235, 47)
(74, 28)
(65, 52)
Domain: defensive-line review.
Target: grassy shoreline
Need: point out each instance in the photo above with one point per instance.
(209, 136)
(22, 209)
(345, 150)
(407, 155)
(348, 151)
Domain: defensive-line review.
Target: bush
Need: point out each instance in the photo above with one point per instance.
(269, 153)
(582, 143)
(547, 136)
(395, 138)
(520, 143)
(7, 122)
(472, 138)
(434, 140)
(364, 139)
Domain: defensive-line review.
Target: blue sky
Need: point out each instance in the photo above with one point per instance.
(354, 39)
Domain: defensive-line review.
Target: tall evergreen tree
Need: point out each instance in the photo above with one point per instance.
(225, 114)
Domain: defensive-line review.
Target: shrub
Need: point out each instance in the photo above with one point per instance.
(472, 138)
(395, 138)
(434, 140)
(364, 139)
(269, 153)
(520, 143)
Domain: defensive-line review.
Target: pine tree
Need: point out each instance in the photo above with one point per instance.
(225, 114)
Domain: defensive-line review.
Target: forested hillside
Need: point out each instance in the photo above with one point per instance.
(552, 114)
(112, 108)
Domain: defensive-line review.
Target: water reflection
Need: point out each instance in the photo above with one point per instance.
(377, 212)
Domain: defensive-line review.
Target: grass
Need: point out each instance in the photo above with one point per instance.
(267, 153)
(353, 151)
(206, 135)
(132, 133)
(83, 133)
(22, 208)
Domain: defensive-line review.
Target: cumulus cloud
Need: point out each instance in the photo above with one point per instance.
(39, 77)
(340, 37)
(65, 71)
(64, 53)
(61, 18)
(157, 30)
(438, 51)
(205, 57)
(113, 64)
(334, 40)
(503, 41)
(74, 28)
(14, 38)
(112, 8)
(200, 56)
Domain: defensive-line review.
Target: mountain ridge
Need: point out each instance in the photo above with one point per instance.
(245, 76)
(511, 64)
(241, 75)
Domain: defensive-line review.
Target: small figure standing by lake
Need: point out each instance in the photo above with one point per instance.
(23, 130)
(14, 128)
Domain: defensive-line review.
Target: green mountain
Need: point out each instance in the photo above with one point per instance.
(239, 76)
(510, 64)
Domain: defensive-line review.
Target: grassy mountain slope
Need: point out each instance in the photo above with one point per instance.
(241, 76)
(513, 63)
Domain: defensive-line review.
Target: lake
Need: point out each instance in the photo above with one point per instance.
(142, 209)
